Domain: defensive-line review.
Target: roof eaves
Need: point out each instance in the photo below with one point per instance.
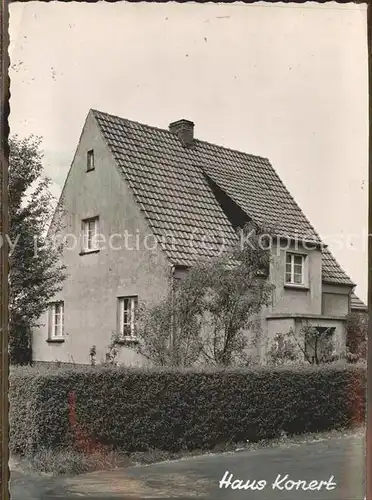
(338, 281)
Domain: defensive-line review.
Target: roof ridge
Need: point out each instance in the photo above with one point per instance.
(131, 121)
(227, 148)
(159, 129)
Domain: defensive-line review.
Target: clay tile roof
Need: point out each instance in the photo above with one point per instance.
(356, 303)
(171, 184)
(332, 272)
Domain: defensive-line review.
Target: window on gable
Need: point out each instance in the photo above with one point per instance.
(127, 316)
(294, 269)
(56, 320)
(90, 160)
(90, 233)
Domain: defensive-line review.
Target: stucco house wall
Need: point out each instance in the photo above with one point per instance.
(118, 269)
(335, 300)
(296, 298)
(315, 303)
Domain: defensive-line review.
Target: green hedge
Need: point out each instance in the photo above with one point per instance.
(136, 410)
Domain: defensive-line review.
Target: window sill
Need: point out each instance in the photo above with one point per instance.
(294, 286)
(127, 340)
(86, 252)
(55, 341)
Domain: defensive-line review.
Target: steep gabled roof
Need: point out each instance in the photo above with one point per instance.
(356, 304)
(173, 185)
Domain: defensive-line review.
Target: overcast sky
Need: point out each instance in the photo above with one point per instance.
(287, 82)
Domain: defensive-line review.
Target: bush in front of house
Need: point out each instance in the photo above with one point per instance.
(165, 409)
(29, 416)
(23, 397)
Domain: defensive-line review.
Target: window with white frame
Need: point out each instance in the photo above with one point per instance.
(295, 269)
(56, 320)
(127, 316)
(90, 160)
(90, 232)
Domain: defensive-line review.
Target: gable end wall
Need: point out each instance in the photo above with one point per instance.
(97, 279)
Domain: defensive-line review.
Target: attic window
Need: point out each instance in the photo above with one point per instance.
(90, 160)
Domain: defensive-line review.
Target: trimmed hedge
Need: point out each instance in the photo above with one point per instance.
(137, 410)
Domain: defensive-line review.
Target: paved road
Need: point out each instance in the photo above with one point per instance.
(198, 478)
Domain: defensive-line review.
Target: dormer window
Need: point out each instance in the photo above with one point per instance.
(90, 160)
(294, 269)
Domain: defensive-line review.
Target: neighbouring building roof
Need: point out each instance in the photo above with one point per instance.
(332, 272)
(176, 186)
(356, 304)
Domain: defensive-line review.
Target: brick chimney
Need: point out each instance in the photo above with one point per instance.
(185, 131)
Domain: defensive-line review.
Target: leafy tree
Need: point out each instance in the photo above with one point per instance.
(206, 317)
(356, 336)
(35, 270)
(169, 331)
